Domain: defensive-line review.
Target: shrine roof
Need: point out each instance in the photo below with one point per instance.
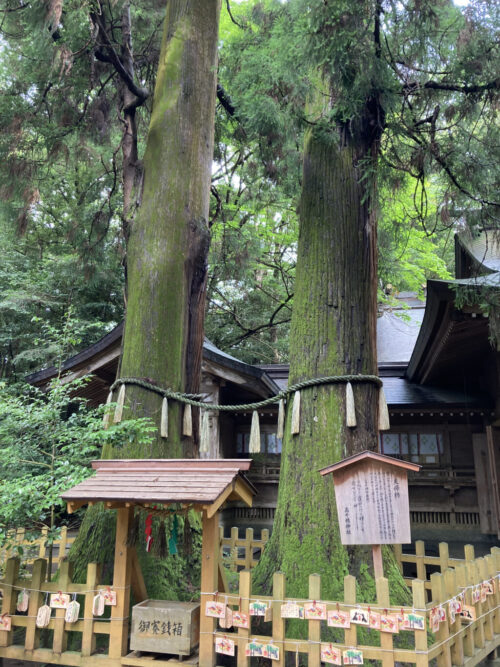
(205, 483)
(374, 456)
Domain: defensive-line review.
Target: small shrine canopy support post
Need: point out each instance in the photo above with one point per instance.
(203, 485)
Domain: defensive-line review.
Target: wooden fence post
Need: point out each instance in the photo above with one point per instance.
(38, 577)
(495, 599)
(60, 636)
(62, 543)
(487, 605)
(9, 597)
(386, 642)
(264, 536)
(314, 627)
(248, 548)
(350, 634)
(468, 635)
(233, 549)
(442, 635)
(42, 548)
(478, 630)
(278, 632)
(419, 602)
(88, 636)
(243, 633)
(457, 647)
(420, 560)
(469, 552)
(444, 556)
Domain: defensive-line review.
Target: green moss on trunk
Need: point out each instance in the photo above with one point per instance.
(168, 244)
(332, 332)
(167, 255)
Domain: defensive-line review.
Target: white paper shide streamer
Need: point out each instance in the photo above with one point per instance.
(383, 412)
(296, 413)
(254, 445)
(350, 412)
(120, 402)
(281, 420)
(164, 418)
(187, 422)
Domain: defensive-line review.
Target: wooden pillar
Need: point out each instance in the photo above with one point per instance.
(209, 579)
(120, 622)
(493, 442)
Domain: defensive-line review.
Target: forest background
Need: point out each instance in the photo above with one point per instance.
(62, 220)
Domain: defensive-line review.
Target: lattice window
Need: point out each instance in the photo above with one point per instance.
(423, 448)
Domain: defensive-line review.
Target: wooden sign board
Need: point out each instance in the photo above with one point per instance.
(371, 491)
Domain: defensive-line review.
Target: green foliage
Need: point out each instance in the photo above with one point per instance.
(409, 254)
(46, 443)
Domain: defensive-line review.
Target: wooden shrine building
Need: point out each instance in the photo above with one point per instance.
(441, 378)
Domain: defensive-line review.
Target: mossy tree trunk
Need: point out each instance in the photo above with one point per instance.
(169, 240)
(333, 331)
(167, 262)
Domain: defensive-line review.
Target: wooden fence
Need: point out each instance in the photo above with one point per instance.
(455, 640)
(36, 548)
(242, 553)
(27, 642)
(419, 565)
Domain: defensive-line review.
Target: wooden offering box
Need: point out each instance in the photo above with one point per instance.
(162, 626)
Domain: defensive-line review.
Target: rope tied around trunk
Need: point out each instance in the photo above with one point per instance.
(193, 399)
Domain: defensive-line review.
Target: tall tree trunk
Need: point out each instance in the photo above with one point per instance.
(169, 240)
(167, 260)
(333, 331)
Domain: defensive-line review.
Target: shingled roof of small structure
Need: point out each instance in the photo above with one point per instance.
(204, 482)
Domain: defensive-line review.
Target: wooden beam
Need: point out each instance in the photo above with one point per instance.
(118, 636)
(243, 492)
(209, 584)
(138, 585)
(214, 507)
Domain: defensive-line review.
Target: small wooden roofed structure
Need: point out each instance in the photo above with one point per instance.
(204, 485)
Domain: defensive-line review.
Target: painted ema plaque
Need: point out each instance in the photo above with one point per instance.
(371, 491)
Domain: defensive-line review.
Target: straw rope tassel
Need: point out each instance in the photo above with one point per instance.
(254, 446)
(187, 422)
(164, 418)
(296, 413)
(106, 416)
(120, 402)
(383, 412)
(205, 433)
(281, 420)
(350, 412)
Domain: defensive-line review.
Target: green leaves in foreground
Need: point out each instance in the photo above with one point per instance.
(47, 441)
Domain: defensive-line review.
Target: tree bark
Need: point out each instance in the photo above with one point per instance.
(333, 331)
(169, 240)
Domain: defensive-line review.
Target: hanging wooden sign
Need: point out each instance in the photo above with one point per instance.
(371, 491)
